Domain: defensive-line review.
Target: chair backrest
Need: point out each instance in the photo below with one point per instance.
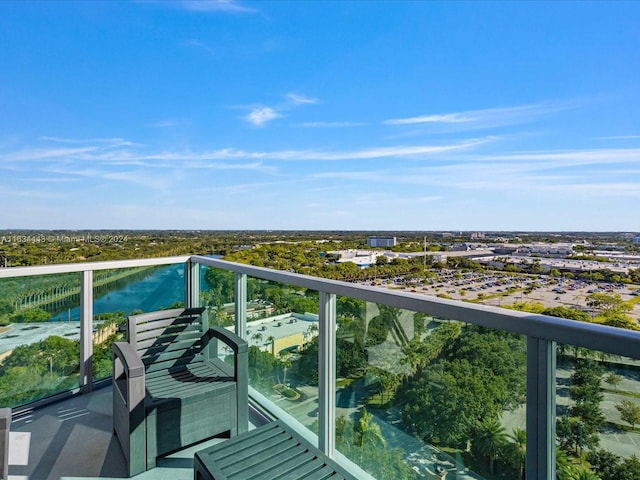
(168, 338)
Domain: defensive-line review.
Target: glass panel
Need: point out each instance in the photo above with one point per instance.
(282, 331)
(598, 414)
(121, 292)
(39, 339)
(217, 293)
(419, 397)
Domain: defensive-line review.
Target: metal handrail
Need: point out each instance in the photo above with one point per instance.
(595, 336)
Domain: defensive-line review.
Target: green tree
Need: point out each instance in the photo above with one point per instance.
(516, 450)
(285, 364)
(605, 463)
(6, 308)
(605, 302)
(262, 368)
(490, 440)
(564, 469)
(586, 394)
(30, 315)
(583, 473)
(368, 432)
(613, 379)
(629, 412)
(618, 319)
(449, 398)
(574, 434)
(567, 312)
(629, 469)
(477, 375)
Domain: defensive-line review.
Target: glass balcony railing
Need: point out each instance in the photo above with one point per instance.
(397, 385)
(39, 339)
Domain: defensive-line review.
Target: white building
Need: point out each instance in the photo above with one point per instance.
(381, 241)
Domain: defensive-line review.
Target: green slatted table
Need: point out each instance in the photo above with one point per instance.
(272, 451)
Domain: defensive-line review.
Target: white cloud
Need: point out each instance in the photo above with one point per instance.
(443, 118)
(486, 118)
(44, 154)
(168, 123)
(115, 142)
(199, 44)
(559, 158)
(619, 137)
(231, 6)
(298, 99)
(329, 124)
(261, 116)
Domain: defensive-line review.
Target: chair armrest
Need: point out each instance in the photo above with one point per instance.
(240, 373)
(128, 406)
(131, 362)
(233, 341)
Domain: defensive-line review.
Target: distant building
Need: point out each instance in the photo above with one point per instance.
(476, 235)
(381, 241)
(362, 258)
(636, 239)
(289, 331)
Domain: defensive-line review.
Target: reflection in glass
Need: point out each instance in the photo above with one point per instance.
(419, 397)
(597, 412)
(39, 341)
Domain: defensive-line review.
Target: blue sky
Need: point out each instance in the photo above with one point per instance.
(320, 115)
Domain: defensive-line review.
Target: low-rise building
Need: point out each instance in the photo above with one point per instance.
(287, 332)
(381, 241)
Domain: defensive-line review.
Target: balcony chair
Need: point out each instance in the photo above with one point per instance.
(171, 388)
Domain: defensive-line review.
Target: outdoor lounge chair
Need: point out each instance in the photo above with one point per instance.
(171, 387)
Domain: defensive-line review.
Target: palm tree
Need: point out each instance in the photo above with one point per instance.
(341, 424)
(257, 337)
(491, 438)
(584, 473)
(286, 363)
(564, 470)
(517, 450)
(368, 432)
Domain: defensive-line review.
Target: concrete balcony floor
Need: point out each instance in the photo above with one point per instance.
(73, 439)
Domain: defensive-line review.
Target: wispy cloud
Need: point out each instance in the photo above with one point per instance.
(168, 123)
(619, 137)
(200, 45)
(442, 118)
(260, 116)
(115, 142)
(384, 152)
(329, 124)
(575, 157)
(231, 6)
(44, 154)
(297, 99)
(487, 118)
(144, 157)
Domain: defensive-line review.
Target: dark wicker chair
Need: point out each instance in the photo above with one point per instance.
(171, 388)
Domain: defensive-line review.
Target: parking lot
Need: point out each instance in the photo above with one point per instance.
(503, 289)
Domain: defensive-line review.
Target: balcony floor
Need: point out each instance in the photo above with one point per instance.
(73, 439)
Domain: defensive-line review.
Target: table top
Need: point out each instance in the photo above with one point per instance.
(267, 452)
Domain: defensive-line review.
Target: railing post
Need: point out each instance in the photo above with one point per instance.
(541, 407)
(86, 331)
(191, 284)
(327, 374)
(241, 305)
(5, 426)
